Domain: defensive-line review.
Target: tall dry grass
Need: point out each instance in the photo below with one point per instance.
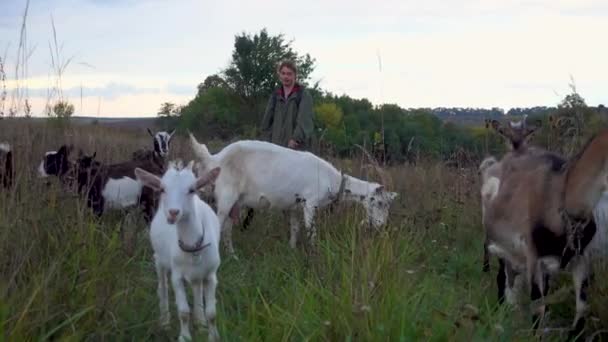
(67, 275)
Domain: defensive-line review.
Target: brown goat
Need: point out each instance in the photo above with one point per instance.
(516, 134)
(541, 219)
(116, 185)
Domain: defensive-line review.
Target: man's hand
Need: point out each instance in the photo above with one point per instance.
(292, 144)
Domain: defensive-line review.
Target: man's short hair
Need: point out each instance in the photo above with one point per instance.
(289, 65)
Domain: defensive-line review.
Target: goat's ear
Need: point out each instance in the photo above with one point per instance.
(148, 179)
(208, 178)
(150, 132)
(94, 154)
(171, 134)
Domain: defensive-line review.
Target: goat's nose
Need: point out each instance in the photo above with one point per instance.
(173, 212)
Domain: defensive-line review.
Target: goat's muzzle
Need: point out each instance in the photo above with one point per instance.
(172, 216)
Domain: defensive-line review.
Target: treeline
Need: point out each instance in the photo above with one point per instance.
(229, 105)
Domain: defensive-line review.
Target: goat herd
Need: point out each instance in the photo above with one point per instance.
(539, 210)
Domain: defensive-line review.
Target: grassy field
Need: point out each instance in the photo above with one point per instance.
(66, 276)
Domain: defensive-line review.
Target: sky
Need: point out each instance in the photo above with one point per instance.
(127, 57)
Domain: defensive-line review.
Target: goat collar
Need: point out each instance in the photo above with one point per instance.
(197, 247)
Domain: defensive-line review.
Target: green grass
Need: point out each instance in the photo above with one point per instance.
(67, 276)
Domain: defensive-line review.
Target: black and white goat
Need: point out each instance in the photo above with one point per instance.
(56, 163)
(161, 142)
(6, 165)
(115, 186)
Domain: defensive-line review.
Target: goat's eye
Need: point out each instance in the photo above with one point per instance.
(162, 190)
(191, 191)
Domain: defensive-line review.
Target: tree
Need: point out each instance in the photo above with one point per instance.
(63, 109)
(329, 114)
(252, 71)
(574, 123)
(168, 109)
(213, 81)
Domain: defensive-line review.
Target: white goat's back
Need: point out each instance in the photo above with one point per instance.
(122, 193)
(277, 174)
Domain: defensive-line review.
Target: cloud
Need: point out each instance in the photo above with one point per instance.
(434, 53)
(111, 91)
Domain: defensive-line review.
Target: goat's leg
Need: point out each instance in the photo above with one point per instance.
(226, 209)
(96, 202)
(540, 287)
(227, 235)
(163, 295)
(147, 201)
(501, 280)
(294, 225)
(486, 257)
(581, 277)
(182, 306)
(199, 307)
(309, 223)
(248, 219)
(511, 284)
(209, 286)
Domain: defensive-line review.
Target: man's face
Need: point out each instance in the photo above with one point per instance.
(287, 76)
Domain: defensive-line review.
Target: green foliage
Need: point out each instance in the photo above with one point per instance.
(573, 123)
(252, 71)
(230, 104)
(69, 276)
(213, 112)
(63, 109)
(168, 109)
(329, 115)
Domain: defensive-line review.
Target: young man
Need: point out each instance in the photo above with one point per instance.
(288, 117)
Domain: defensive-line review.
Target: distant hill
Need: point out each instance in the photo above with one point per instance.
(129, 123)
(456, 115)
(477, 116)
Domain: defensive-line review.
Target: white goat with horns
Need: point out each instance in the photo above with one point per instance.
(185, 236)
(259, 175)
